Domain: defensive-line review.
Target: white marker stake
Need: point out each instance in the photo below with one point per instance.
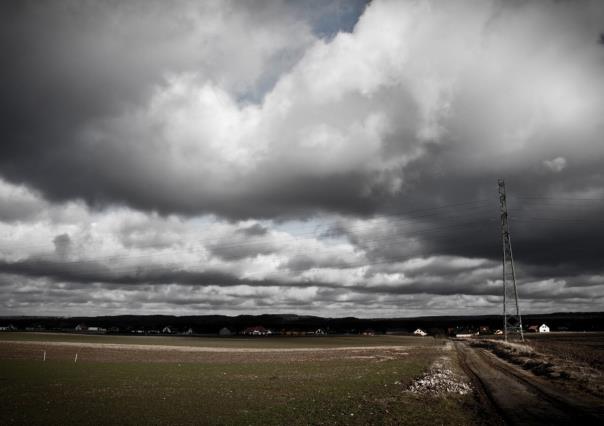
(76, 358)
(44, 359)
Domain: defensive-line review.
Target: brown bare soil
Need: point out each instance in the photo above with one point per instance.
(521, 397)
(103, 352)
(582, 348)
(570, 360)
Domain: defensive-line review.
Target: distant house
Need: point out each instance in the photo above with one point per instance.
(96, 330)
(257, 330)
(420, 332)
(498, 332)
(464, 335)
(167, 330)
(225, 332)
(319, 331)
(543, 328)
(189, 331)
(81, 327)
(484, 329)
(368, 332)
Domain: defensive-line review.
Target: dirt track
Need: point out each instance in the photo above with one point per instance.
(522, 398)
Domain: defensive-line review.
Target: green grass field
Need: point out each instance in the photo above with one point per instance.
(346, 391)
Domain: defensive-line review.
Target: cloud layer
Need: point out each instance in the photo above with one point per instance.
(151, 151)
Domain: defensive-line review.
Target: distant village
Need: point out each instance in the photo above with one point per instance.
(259, 330)
(256, 330)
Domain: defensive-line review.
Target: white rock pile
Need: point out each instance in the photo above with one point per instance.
(440, 380)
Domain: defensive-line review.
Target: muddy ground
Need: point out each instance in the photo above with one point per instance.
(526, 387)
(570, 361)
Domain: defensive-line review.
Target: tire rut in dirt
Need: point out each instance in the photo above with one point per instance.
(518, 399)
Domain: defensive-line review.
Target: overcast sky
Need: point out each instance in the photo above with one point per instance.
(319, 157)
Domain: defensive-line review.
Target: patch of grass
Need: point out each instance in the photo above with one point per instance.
(313, 392)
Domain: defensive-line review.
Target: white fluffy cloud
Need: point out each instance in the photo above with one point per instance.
(555, 165)
(71, 259)
(497, 85)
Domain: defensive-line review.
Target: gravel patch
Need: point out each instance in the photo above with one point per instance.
(440, 380)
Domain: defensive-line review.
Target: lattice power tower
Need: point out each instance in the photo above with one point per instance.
(512, 321)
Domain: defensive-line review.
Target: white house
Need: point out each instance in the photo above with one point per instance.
(420, 332)
(543, 328)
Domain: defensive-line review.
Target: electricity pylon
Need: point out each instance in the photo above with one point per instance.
(512, 321)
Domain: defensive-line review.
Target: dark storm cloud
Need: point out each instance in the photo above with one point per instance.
(69, 64)
(303, 262)
(249, 241)
(555, 222)
(243, 251)
(72, 73)
(445, 281)
(72, 82)
(84, 275)
(238, 248)
(62, 245)
(94, 272)
(254, 230)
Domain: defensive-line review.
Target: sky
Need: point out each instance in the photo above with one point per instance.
(333, 158)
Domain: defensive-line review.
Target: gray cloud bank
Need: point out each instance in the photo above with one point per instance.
(204, 134)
